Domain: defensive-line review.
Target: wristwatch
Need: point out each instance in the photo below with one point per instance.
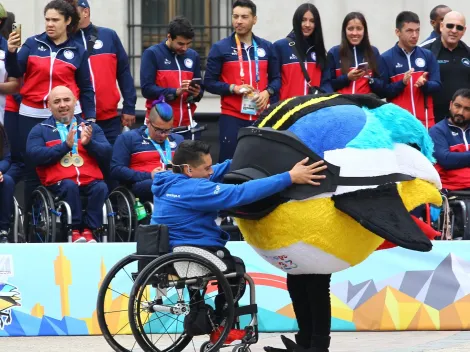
(270, 91)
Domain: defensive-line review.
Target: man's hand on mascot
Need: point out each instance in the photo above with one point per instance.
(302, 174)
(355, 74)
(407, 77)
(243, 89)
(422, 80)
(262, 100)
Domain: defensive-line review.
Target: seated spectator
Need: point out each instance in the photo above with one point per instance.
(66, 150)
(7, 187)
(451, 148)
(140, 153)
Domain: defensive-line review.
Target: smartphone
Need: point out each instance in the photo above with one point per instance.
(195, 81)
(16, 27)
(364, 66)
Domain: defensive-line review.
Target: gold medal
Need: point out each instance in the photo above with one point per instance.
(77, 160)
(66, 161)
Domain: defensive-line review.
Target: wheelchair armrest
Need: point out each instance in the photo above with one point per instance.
(459, 194)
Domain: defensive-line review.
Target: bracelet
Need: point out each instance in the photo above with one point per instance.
(232, 87)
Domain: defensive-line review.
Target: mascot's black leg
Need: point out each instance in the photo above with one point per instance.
(310, 296)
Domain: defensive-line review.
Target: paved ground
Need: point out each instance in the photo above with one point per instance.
(440, 341)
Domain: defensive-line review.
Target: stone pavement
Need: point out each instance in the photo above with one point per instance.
(406, 341)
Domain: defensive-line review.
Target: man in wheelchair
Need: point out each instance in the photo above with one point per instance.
(187, 200)
(140, 153)
(451, 148)
(67, 151)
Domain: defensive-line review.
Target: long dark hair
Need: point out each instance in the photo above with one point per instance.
(66, 9)
(315, 39)
(3, 141)
(5, 27)
(345, 53)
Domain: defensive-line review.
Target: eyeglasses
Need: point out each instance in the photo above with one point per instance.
(160, 130)
(459, 27)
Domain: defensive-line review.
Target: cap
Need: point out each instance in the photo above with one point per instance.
(84, 4)
(3, 12)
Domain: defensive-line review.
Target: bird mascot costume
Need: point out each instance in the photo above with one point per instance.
(379, 169)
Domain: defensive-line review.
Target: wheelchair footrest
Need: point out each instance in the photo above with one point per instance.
(245, 310)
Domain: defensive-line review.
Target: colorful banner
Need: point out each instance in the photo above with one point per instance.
(51, 289)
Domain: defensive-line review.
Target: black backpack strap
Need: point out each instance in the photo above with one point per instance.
(92, 40)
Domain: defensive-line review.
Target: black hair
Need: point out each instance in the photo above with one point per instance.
(245, 3)
(462, 92)
(433, 13)
(6, 26)
(180, 26)
(191, 152)
(315, 39)
(3, 142)
(345, 53)
(406, 17)
(66, 9)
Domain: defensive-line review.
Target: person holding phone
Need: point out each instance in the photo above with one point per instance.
(354, 64)
(302, 56)
(168, 70)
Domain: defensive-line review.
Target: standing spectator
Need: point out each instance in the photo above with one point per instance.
(410, 74)
(108, 63)
(244, 71)
(453, 56)
(344, 60)
(168, 68)
(302, 55)
(436, 16)
(7, 187)
(8, 106)
(45, 61)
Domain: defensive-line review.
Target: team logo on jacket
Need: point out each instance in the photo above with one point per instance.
(41, 48)
(261, 52)
(2, 55)
(188, 63)
(167, 62)
(314, 56)
(465, 61)
(173, 145)
(420, 62)
(69, 55)
(98, 45)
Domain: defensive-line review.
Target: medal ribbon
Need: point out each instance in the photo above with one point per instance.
(165, 156)
(240, 60)
(64, 131)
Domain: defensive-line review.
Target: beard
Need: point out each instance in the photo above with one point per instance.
(65, 119)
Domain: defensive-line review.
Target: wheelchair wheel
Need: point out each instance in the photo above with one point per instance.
(17, 229)
(125, 221)
(163, 296)
(112, 303)
(111, 226)
(43, 219)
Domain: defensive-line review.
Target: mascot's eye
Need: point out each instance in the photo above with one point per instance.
(414, 145)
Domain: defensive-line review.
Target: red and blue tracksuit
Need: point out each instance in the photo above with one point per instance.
(161, 73)
(293, 82)
(109, 64)
(7, 187)
(223, 69)
(418, 101)
(340, 81)
(46, 149)
(134, 159)
(452, 153)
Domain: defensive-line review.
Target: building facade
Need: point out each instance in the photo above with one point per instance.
(141, 23)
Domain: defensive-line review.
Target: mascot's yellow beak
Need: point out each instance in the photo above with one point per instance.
(301, 226)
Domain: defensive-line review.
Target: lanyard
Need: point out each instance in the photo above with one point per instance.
(63, 132)
(240, 59)
(165, 156)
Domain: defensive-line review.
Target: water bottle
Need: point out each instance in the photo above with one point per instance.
(140, 210)
(125, 129)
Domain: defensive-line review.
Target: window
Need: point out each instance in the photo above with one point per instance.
(148, 22)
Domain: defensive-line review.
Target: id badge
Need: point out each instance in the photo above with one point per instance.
(249, 103)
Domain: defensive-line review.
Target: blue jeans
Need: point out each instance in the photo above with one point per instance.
(7, 190)
(228, 132)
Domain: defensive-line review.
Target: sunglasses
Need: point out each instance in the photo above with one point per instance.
(459, 27)
(161, 131)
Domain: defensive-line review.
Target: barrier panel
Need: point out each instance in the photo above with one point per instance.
(51, 289)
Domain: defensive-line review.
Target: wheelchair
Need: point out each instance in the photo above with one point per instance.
(50, 219)
(454, 220)
(17, 229)
(123, 200)
(171, 302)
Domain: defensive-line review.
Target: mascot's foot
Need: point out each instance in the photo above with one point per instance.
(291, 346)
